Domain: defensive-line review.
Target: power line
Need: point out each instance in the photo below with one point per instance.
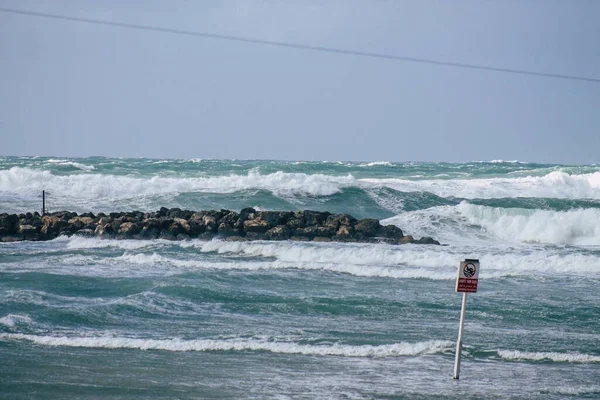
(298, 46)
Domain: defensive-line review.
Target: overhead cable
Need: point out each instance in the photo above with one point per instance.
(298, 46)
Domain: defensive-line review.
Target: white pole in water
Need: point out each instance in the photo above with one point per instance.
(460, 337)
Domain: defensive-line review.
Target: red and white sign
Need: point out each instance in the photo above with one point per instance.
(468, 276)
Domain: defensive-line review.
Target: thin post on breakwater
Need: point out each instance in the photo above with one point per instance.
(43, 203)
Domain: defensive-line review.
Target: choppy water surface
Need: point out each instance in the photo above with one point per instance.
(89, 318)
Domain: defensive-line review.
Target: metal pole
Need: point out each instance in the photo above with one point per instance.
(43, 203)
(460, 336)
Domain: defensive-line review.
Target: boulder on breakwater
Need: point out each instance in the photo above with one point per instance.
(177, 224)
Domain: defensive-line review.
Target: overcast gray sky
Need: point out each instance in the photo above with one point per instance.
(79, 89)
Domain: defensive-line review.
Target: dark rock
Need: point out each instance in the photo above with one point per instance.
(336, 220)
(255, 236)
(367, 227)
(105, 231)
(427, 240)
(296, 223)
(151, 223)
(313, 231)
(344, 233)
(164, 235)
(299, 238)
(196, 222)
(177, 224)
(275, 218)
(52, 225)
(406, 239)
(8, 224)
(174, 213)
(210, 223)
(312, 218)
(128, 218)
(64, 215)
(280, 232)
(256, 225)
(85, 233)
(129, 228)
(225, 229)
(28, 230)
(391, 232)
(246, 213)
(149, 232)
(230, 224)
(179, 213)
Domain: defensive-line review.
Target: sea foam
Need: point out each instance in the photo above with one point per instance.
(578, 226)
(556, 184)
(548, 356)
(91, 186)
(389, 350)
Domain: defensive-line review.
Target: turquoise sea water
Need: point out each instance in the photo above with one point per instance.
(88, 318)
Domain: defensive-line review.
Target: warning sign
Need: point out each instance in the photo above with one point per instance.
(468, 276)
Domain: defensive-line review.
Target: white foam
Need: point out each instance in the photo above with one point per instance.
(578, 226)
(396, 272)
(548, 356)
(72, 164)
(390, 350)
(27, 181)
(574, 391)
(494, 226)
(11, 320)
(411, 261)
(556, 184)
(503, 162)
(75, 242)
(377, 164)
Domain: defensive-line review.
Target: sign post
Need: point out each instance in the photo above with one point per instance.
(468, 276)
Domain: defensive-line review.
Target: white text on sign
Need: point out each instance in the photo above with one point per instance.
(468, 276)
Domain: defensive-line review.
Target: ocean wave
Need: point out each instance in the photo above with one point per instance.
(556, 184)
(548, 356)
(579, 226)
(481, 225)
(178, 345)
(377, 164)
(97, 186)
(411, 261)
(573, 391)
(370, 271)
(157, 257)
(12, 320)
(74, 243)
(71, 164)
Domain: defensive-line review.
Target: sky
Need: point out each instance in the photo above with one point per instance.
(76, 89)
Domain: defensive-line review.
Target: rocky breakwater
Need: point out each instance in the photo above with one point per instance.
(177, 224)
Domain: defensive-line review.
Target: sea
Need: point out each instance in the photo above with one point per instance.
(87, 318)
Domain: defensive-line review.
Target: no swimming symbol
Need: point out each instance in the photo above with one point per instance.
(469, 270)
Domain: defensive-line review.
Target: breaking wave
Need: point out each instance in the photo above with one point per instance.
(579, 226)
(390, 350)
(548, 356)
(556, 184)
